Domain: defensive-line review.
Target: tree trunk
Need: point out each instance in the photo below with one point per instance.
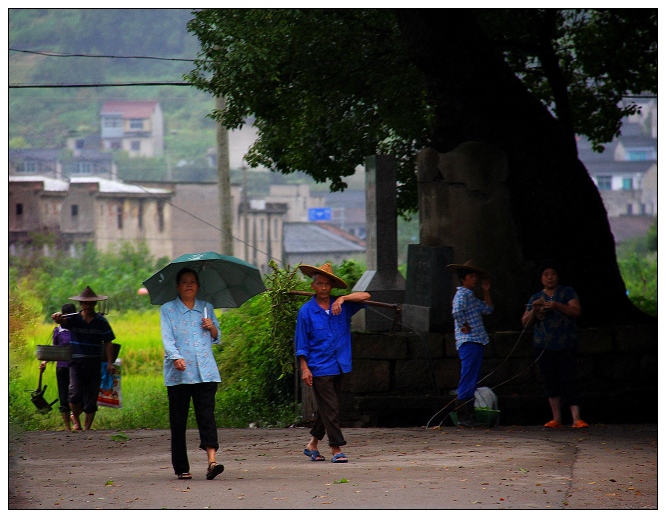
(557, 209)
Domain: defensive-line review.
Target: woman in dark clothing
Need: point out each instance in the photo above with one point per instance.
(554, 310)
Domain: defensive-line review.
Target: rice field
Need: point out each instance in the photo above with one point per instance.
(142, 385)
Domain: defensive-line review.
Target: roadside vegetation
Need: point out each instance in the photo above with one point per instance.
(255, 357)
(637, 260)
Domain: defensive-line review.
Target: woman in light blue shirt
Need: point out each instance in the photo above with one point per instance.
(189, 328)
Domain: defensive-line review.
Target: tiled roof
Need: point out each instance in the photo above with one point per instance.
(130, 109)
(105, 186)
(111, 186)
(50, 184)
(36, 154)
(595, 168)
(312, 237)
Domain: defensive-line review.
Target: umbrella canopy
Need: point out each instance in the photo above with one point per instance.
(224, 281)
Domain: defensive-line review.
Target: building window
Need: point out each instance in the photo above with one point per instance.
(74, 210)
(26, 167)
(115, 145)
(80, 143)
(19, 209)
(630, 209)
(112, 122)
(627, 184)
(119, 214)
(643, 209)
(638, 154)
(136, 145)
(604, 183)
(136, 123)
(160, 216)
(83, 167)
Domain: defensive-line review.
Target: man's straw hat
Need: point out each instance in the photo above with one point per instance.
(468, 266)
(88, 295)
(325, 269)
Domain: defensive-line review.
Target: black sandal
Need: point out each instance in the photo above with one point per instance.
(184, 476)
(214, 469)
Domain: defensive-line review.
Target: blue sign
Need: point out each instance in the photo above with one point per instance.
(319, 214)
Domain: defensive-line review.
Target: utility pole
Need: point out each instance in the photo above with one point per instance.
(246, 230)
(224, 182)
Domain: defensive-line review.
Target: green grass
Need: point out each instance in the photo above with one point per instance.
(143, 392)
(144, 397)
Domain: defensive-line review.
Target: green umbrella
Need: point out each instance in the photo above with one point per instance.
(224, 281)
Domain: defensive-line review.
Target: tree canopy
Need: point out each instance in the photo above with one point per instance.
(328, 87)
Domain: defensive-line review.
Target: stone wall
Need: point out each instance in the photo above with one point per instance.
(408, 379)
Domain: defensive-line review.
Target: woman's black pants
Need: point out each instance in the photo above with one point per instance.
(203, 399)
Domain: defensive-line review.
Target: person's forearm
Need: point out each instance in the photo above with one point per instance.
(356, 296)
(109, 352)
(571, 310)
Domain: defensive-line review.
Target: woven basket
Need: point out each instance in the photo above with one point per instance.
(53, 353)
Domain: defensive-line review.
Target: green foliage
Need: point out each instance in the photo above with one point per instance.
(283, 312)
(652, 237)
(637, 260)
(640, 277)
(350, 271)
(117, 273)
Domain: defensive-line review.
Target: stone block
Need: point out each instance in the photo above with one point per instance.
(416, 318)
(426, 345)
(594, 341)
(375, 346)
(413, 375)
(512, 344)
(368, 376)
(636, 339)
(649, 367)
(447, 374)
(428, 286)
(625, 369)
(450, 350)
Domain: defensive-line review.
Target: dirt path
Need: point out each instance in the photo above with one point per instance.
(603, 467)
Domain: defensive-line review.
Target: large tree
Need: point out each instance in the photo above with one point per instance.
(329, 87)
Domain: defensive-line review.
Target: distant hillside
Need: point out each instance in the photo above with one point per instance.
(43, 117)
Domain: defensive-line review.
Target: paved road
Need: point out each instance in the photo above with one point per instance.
(506, 467)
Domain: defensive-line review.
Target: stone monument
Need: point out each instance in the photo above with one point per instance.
(464, 214)
(381, 278)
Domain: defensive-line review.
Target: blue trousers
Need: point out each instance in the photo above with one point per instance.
(471, 356)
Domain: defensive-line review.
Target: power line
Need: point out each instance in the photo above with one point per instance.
(66, 55)
(99, 85)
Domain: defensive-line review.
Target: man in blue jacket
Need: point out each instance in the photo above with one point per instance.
(323, 348)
